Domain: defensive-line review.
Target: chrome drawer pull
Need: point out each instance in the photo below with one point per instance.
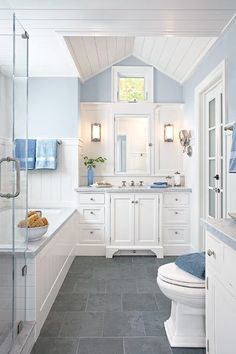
(91, 232)
(91, 212)
(176, 213)
(91, 199)
(176, 232)
(176, 199)
(210, 253)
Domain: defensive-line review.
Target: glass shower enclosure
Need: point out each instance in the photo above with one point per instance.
(13, 177)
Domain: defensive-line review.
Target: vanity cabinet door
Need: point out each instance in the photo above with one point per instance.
(122, 219)
(146, 219)
(220, 317)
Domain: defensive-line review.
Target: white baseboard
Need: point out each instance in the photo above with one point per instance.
(177, 250)
(90, 250)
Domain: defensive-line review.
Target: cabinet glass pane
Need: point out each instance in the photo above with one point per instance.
(221, 141)
(212, 137)
(212, 113)
(221, 173)
(212, 195)
(212, 165)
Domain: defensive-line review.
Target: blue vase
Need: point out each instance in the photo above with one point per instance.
(90, 176)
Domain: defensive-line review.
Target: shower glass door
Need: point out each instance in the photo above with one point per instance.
(13, 177)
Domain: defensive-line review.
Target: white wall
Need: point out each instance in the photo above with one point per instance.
(166, 157)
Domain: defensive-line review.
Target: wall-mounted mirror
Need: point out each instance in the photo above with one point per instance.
(132, 150)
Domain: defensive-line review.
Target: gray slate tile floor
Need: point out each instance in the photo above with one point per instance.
(109, 306)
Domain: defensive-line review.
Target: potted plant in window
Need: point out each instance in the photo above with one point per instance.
(91, 163)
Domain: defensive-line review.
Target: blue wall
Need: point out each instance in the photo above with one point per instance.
(224, 48)
(54, 107)
(98, 88)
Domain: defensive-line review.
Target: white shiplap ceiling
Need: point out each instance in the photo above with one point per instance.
(47, 22)
(174, 56)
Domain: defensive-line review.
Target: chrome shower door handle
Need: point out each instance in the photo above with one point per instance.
(17, 166)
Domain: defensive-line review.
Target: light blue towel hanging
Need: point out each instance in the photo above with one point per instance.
(232, 161)
(46, 154)
(20, 153)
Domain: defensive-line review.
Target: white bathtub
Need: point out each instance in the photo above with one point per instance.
(56, 218)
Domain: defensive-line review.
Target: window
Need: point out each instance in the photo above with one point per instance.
(132, 84)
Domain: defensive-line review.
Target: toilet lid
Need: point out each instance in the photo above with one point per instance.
(172, 274)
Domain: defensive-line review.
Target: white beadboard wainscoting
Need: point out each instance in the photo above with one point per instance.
(55, 188)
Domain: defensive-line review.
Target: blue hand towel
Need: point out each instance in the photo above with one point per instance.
(158, 186)
(193, 263)
(232, 161)
(20, 153)
(160, 183)
(46, 154)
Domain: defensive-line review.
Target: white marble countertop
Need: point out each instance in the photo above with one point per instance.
(36, 246)
(223, 229)
(136, 189)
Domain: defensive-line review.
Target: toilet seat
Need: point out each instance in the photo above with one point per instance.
(172, 274)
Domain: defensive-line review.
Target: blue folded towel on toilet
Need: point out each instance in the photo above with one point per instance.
(193, 263)
(46, 154)
(232, 161)
(20, 153)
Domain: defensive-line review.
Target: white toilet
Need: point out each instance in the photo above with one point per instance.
(186, 325)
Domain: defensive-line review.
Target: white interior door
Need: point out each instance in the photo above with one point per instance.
(214, 153)
(146, 220)
(122, 219)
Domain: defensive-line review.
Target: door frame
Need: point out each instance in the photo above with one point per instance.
(218, 75)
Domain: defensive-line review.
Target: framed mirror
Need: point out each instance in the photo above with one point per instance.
(132, 150)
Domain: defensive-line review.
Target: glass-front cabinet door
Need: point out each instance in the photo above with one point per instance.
(214, 175)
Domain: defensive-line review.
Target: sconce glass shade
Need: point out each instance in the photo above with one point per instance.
(169, 133)
(96, 132)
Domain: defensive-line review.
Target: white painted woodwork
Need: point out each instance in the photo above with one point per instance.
(146, 219)
(122, 219)
(94, 215)
(92, 198)
(220, 297)
(48, 22)
(45, 274)
(176, 223)
(91, 234)
(159, 114)
(56, 187)
(165, 114)
(230, 178)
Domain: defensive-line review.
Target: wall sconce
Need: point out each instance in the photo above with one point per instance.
(96, 132)
(185, 139)
(169, 133)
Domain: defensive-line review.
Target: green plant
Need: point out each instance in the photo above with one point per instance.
(89, 162)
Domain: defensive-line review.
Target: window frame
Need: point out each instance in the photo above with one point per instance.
(133, 71)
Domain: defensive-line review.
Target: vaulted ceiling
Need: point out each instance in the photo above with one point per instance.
(195, 23)
(175, 56)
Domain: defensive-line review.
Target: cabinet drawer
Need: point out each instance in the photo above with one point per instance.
(214, 252)
(91, 215)
(176, 199)
(91, 234)
(173, 235)
(229, 266)
(91, 198)
(175, 215)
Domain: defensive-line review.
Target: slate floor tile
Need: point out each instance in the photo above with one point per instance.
(92, 286)
(104, 302)
(139, 302)
(70, 302)
(153, 324)
(121, 286)
(188, 351)
(123, 324)
(147, 286)
(147, 345)
(46, 345)
(101, 346)
(82, 324)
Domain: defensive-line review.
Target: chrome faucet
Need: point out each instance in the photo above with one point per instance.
(132, 184)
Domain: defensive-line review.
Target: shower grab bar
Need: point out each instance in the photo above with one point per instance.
(17, 165)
